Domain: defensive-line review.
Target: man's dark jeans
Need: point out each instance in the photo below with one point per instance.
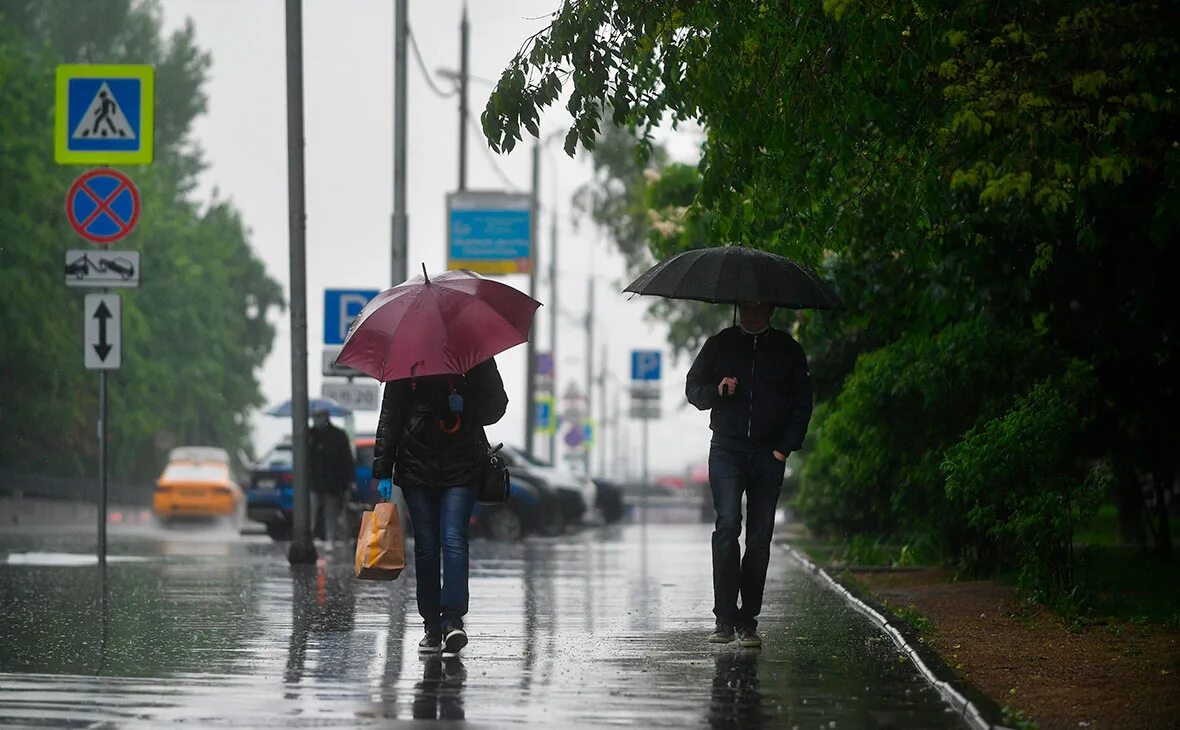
(440, 518)
(758, 475)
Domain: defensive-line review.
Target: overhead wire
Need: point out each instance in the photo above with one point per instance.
(426, 75)
(471, 120)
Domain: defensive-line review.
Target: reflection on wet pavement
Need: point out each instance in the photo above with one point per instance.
(601, 628)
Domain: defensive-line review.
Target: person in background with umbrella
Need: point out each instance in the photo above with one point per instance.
(434, 341)
(331, 469)
(755, 380)
(430, 435)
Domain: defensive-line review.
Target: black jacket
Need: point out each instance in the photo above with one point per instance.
(772, 404)
(415, 443)
(329, 459)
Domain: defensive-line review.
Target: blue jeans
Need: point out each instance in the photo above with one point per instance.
(440, 519)
(759, 476)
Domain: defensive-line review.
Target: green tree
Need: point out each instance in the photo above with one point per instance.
(196, 330)
(1009, 162)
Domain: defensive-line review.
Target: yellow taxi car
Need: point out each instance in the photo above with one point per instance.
(197, 482)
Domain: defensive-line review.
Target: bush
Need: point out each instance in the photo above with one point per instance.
(879, 446)
(1023, 489)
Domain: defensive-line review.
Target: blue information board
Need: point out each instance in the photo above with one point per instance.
(489, 232)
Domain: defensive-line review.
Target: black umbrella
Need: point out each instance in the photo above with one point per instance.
(734, 274)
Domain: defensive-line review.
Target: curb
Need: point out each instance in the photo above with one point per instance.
(965, 707)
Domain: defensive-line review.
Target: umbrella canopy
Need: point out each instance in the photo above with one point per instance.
(443, 325)
(734, 274)
(283, 410)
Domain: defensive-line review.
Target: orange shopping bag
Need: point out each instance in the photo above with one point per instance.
(380, 547)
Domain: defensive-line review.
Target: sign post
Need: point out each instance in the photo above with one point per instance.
(341, 306)
(103, 115)
(103, 327)
(645, 405)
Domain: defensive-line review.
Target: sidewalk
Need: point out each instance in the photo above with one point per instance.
(603, 628)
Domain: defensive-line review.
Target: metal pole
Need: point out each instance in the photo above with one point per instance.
(302, 549)
(589, 361)
(102, 480)
(464, 36)
(600, 437)
(643, 482)
(616, 430)
(399, 264)
(554, 316)
(530, 419)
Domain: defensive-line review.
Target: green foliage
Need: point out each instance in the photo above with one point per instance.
(880, 443)
(194, 333)
(1010, 168)
(1022, 487)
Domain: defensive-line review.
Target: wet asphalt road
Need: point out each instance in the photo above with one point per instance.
(602, 628)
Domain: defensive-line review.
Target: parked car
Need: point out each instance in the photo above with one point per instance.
(513, 520)
(271, 494)
(576, 494)
(197, 482)
(533, 507)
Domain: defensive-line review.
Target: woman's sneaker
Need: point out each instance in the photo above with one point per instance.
(454, 640)
(431, 643)
(722, 634)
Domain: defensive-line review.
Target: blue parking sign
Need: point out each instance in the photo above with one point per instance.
(645, 364)
(340, 306)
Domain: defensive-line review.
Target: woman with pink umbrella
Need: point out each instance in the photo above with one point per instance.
(433, 341)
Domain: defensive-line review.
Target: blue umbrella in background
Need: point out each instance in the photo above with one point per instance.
(283, 410)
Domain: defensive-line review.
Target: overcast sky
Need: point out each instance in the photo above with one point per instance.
(348, 76)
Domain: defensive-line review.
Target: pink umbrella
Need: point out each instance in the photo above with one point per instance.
(441, 326)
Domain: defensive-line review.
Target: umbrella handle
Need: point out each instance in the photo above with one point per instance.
(458, 424)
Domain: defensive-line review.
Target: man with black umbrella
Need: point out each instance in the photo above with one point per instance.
(755, 380)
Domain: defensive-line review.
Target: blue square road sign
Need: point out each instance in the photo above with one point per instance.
(645, 364)
(340, 306)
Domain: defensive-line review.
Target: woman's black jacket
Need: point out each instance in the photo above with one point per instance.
(419, 440)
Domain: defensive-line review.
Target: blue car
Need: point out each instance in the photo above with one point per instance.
(533, 507)
(270, 496)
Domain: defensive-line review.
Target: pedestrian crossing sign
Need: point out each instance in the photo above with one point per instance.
(104, 114)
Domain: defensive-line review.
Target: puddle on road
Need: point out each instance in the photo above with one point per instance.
(601, 628)
(66, 560)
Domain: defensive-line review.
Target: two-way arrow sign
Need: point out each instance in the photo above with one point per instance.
(103, 324)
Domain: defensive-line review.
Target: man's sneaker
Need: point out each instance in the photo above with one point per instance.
(722, 634)
(748, 638)
(431, 643)
(455, 640)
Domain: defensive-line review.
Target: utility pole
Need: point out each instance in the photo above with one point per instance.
(530, 419)
(589, 361)
(464, 35)
(399, 264)
(554, 316)
(616, 431)
(302, 549)
(600, 437)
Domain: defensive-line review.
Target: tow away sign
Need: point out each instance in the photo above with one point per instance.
(107, 269)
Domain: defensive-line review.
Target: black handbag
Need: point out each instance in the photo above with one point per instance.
(494, 482)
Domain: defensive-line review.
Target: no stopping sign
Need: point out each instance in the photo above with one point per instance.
(103, 205)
